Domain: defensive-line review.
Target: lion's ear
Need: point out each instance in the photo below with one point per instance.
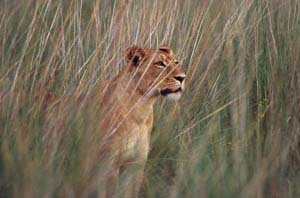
(167, 50)
(134, 55)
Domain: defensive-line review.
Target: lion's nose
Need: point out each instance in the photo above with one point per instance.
(180, 78)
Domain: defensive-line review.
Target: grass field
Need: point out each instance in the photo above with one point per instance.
(234, 133)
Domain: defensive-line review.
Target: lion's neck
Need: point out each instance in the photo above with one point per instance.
(131, 99)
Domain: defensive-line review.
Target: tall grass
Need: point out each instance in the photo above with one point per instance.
(235, 132)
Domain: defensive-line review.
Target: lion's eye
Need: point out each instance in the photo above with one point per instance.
(161, 64)
(176, 62)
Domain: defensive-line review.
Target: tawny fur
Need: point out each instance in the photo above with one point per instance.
(128, 102)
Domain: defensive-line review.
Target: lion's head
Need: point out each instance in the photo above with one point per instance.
(155, 72)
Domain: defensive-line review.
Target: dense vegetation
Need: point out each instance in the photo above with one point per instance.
(235, 133)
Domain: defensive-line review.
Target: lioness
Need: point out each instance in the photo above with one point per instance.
(128, 101)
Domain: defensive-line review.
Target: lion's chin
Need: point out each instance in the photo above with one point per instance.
(174, 96)
(171, 94)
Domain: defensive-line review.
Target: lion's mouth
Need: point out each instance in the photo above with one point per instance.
(165, 92)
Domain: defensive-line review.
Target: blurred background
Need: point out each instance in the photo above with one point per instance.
(234, 133)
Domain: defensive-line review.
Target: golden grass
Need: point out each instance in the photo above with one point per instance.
(235, 133)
